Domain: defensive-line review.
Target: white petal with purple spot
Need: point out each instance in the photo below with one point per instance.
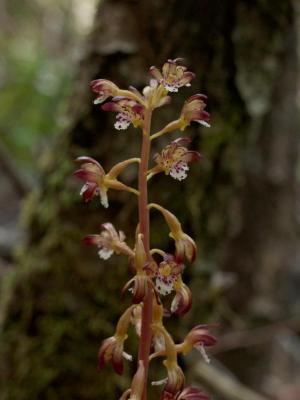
(178, 170)
(122, 121)
(164, 286)
(105, 253)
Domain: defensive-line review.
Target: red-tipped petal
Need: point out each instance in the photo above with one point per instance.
(86, 175)
(156, 73)
(88, 191)
(110, 106)
(191, 393)
(86, 159)
(192, 156)
(91, 240)
(182, 301)
(197, 97)
(182, 141)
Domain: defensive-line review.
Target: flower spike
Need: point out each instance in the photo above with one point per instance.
(109, 241)
(97, 182)
(185, 245)
(156, 273)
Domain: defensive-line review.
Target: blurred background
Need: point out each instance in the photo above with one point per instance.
(242, 203)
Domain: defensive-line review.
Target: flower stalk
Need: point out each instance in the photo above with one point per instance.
(146, 332)
(157, 274)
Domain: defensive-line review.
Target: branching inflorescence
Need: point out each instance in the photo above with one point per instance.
(157, 273)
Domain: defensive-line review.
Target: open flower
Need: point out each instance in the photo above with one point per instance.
(193, 110)
(175, 380)
(138, 286)
(104, 89)
(174, 159)
(173, 75)
(168, 271)
(185, 245)
(191, 393)
(97, 182)
(199, 338)
(112, 349)
(128, 112)
(109, 241)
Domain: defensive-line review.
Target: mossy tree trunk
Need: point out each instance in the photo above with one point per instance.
(61, 300)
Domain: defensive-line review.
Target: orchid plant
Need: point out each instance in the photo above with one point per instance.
(157, 274)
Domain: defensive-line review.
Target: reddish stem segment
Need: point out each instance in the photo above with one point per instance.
(146, 332)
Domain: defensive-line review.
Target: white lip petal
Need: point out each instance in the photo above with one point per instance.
(159, 383)
(204, 123)
(127, 356)
(178, 171)
(171, 88)
(203, 353)
(159, 342)
(105, 253)
(163, 287)
(122, 122)
(103, 198)
(83, 189)
(175, 304)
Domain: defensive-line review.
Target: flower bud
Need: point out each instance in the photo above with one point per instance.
(175, 380)
(112, 349)
(185, 245)
(138, 286)
(182, 301)
(104, 89)
(193, 110)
